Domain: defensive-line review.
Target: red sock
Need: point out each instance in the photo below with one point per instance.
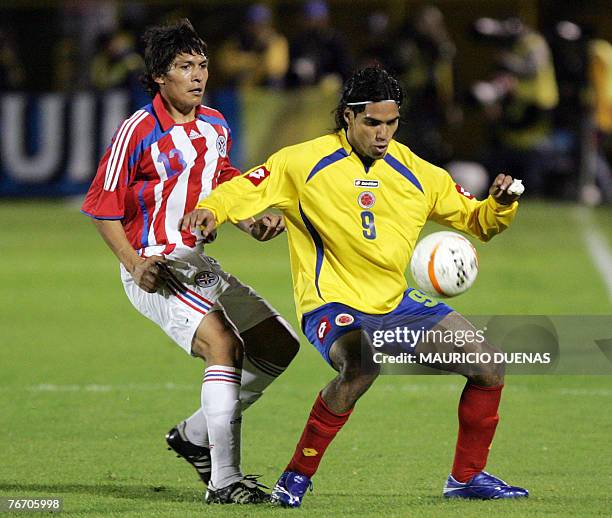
(321, 428)
(478, 419)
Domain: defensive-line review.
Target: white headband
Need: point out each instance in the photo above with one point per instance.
(370, 102)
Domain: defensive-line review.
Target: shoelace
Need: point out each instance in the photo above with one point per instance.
(252, 479)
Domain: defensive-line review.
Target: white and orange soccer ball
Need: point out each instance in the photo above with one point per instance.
(444, 264)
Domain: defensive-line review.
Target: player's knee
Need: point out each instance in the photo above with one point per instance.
(489, 375)
(226, 346)
(490, 371)
(483, 380)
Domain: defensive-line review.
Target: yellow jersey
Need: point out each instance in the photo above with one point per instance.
(352, 228)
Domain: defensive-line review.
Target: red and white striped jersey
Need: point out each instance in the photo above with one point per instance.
(156, 170)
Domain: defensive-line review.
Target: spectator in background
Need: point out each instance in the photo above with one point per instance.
(424, 60)
(600, 78)
(319, 53)
(65, 68)
(258, 55)
(379, 43)
(519, 101)
(117, 64)
(600, 73)
(569, 44)
(12, 74)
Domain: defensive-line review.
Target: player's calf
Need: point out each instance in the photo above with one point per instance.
(217, 341)
(356, 372)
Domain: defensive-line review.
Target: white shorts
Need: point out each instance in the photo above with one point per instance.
(199, 287)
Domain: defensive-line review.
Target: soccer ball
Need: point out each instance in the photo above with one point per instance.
(444, 264)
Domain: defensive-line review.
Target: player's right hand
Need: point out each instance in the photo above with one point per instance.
(150, 273)
(499, 189)
(202, 218)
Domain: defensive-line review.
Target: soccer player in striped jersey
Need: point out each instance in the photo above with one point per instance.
(163, 160)
(355, 202)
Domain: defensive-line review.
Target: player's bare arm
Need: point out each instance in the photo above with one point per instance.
(145, 271)
(263, 229)
(500, 189)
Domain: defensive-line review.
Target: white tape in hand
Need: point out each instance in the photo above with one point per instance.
(516, 188)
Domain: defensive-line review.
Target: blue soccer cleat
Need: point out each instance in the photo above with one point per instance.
(290, 489)
(482, 486)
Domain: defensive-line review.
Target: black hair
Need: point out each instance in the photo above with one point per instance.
(368, 84)
(162, 44)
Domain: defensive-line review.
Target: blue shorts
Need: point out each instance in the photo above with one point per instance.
(324, 325)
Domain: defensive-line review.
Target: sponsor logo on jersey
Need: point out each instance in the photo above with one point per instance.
(366, 199)
(193, 134)
(222, 146)
(323, 328)
(372, 184)
(206, 279)
(465, 193)
(344, 319)
(258, 175)
(309, 452)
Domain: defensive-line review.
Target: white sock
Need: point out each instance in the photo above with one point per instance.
(257, 374)
(221, 406)
(196, 428)
(254, 382)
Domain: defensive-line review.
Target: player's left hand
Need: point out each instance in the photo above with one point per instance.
(202, 218)
(499, 189)
(267, 227)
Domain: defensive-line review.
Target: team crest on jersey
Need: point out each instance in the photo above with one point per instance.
(206, 279)
(222, 146)
(344, 319)
(465, 193)
(371, 184)
(258, 175)
(366, 199)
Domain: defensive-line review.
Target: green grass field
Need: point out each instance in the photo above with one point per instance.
(88, 387)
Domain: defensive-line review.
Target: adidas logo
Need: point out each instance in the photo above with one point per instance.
(193, 134)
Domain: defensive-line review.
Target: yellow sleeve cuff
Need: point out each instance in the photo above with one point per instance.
(216, 212)
(500, 208)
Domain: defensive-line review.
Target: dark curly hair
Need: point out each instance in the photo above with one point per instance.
(162, 44)
(368, 84)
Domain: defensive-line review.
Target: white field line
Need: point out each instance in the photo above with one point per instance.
(409, 387)
(94, 387)
(597, 245)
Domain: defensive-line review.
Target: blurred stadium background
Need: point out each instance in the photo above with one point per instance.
(88, 388)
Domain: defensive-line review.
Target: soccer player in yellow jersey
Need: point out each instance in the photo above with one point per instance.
(354, 202)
